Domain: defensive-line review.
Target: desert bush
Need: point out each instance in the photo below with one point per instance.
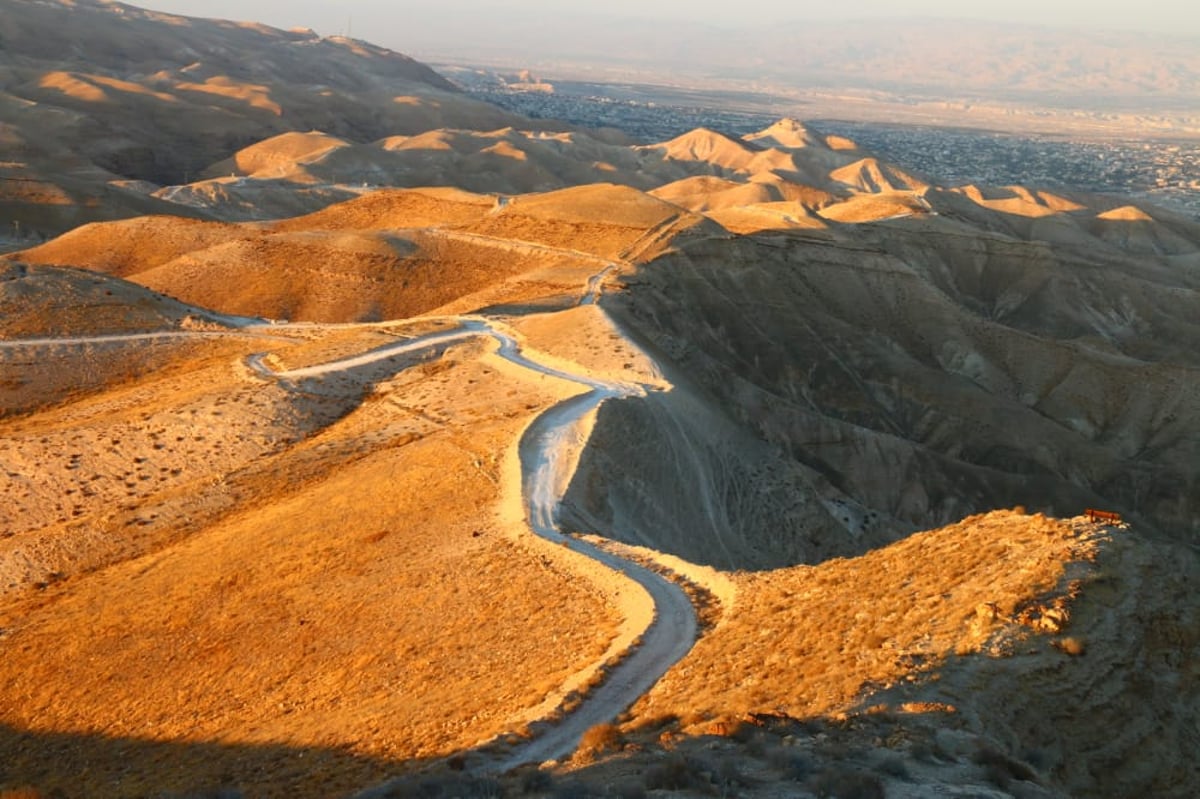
(1070, 645)
(1000, 769)
(628, 790)
(923, 751)
(729, 775)
(843, 783)
(578, 789)
(893, 766)
(448, 787)
(791, 765)
(599, 739)
(534, 780)
(674, 773)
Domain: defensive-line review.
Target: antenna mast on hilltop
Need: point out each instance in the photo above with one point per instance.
(349, 26)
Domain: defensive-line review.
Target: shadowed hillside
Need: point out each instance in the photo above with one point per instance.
(926, 370)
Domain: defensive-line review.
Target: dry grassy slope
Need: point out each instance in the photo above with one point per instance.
(52, 301)
(604, 220)
(1043, 637)
(277, 153)
(1119, 719)
(815, 640)
(321, 572)
(129, 246)
(391, 209)
(873, 207)
(927, 371)
(707, 193)
(387, 255)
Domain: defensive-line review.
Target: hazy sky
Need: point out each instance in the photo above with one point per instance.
(385, 22)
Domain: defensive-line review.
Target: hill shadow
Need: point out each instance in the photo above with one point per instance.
(67, 765)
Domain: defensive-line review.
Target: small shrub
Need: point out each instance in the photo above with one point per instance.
(922, 751)
(790, 765)
(578, 789)
(628, 790)
(1071, 646)
(674, 773)
(598, 739)
(534, 780)
(1000, 769)
(447, 787)
(893, 766)
(848, 784)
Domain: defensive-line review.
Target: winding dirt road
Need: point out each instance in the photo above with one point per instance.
(547, 453)
(546, 467)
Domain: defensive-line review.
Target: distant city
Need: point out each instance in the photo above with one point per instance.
(1162, 172)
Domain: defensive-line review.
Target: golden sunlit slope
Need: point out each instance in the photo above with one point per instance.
(277, 153)
(603, 220)
(386, 255)
(39, 302)
(707, 193)
(397, 209)
(788, 134)
(762, 168)
(129, 246)
(762, 217)
(1004, 655)
(872, 176)
(884, 617)
(269, 572)
(874, 207)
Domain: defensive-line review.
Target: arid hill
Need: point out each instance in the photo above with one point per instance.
(916, 370)
(97, 94)
(980, 339)
(387, 255)
(248, 556)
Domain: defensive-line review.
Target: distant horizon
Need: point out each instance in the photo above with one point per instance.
(382, 23)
